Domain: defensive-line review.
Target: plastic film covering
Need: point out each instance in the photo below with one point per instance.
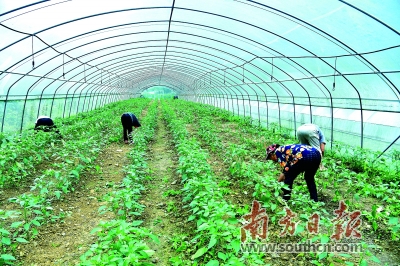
(283, 63)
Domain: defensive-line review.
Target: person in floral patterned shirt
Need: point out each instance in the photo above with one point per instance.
(296, 159)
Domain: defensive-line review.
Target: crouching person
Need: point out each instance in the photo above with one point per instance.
(296, 159)
(46, 124)
(129, 121)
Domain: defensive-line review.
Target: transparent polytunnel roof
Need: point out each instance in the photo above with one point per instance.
(345, 53)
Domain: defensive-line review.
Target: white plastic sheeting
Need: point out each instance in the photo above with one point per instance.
(334, 63)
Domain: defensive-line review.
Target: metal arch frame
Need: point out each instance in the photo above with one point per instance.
(349, 48)
(353, 87)
(370, 64)
(120, 61)
(200, 36)
(242, 95)
(322, 32)
(327, 90)
(224, 90)
(220, 87)
(89, 61)
(238, 84)
(271, 89)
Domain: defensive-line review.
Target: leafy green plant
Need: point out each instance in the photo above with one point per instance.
(171, 193)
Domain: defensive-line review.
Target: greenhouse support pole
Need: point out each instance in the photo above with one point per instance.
(84, 100)
(215, 100)
(65, 104)
(105, 97)
(66, 98)
(248, 95)
(72, 104)
(224, 93)
(227, 99)
(52, 103)
(99, 93)
(77, 104)
(244, 108)
(331, 123)
(40, 103)
(258, 111)
(208, 98)
(390, 145)
(93, 100)
(279, 112)
(294, 116)
(223, 98)
(216, 96)
(23, 110)
(266, 104)
(237, 100)
(309, 103)
(362, 123)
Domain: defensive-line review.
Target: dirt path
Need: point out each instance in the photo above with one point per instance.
(64, 243)
(163, 214)
(231, 189)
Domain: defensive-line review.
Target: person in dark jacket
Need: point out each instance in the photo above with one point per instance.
(129, 121)
(296, 159)
(46, 124)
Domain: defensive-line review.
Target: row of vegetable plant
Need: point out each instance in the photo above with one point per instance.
(123, 241)
(216, 240)
(83, 137)
(255, 172)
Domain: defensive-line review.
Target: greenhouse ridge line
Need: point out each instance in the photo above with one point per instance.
(166, 45)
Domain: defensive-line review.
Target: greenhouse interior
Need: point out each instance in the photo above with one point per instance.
(214, 132)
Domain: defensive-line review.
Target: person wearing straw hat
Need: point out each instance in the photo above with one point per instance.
(296, 159)
(129, 121)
